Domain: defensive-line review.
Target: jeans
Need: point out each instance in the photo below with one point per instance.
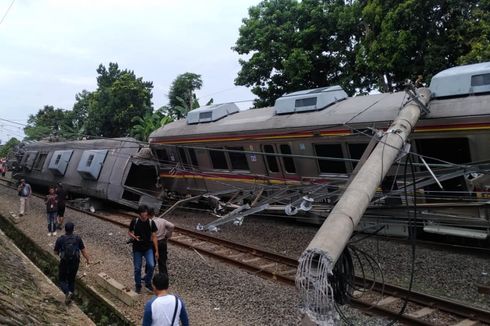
(138, 261)
(52, 221)
(66, 275)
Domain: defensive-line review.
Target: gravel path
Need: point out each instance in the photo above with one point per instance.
(437, 271)
(215, 293)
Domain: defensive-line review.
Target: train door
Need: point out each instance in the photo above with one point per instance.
(190, 164)
(273, 167)
(282, 167)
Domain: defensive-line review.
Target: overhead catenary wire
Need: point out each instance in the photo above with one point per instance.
(6, 12)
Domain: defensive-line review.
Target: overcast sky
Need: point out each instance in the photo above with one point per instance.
(50, 49)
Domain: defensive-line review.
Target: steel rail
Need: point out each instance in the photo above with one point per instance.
(233, 253)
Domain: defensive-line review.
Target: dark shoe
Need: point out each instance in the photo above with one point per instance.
(149, 288)
(68, 298)
(21, 215)
(137, 289)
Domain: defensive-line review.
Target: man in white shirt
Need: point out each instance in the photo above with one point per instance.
(164, 232)
(164, 309)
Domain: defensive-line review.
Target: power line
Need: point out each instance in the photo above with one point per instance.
(11, 121)
(7, 11)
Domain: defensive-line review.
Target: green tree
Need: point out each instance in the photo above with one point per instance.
(119, 96)
(7, 148)
(291, 45)
(404, 39)
(181, 96)
(147, 124)
(295, 45)
(73, 126)
(46, 122)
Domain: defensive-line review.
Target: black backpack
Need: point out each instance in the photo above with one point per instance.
(70, 250)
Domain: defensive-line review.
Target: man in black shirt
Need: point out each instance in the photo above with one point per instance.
(69, 246)
(143, 233)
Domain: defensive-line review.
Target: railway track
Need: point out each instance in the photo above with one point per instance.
(379, 299)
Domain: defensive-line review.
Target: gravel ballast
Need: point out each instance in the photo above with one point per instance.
(217, 293)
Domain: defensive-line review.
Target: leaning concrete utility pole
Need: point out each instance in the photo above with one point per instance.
(319, 258)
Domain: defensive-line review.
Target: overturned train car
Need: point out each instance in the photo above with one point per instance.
(118, 170)
(313, 140)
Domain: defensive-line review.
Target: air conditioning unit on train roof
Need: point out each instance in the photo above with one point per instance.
(461, 80)
(309, 100)
(211, 113)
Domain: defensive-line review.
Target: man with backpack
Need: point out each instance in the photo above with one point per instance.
(164, 309)
(69, 247)
(142, 232)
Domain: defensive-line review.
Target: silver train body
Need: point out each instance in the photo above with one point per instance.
(116, 170)
(318, 136)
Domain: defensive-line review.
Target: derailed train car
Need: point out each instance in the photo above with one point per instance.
(117, 170)
(311, 141)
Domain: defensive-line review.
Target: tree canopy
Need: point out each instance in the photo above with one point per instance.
(48, 121)
(120, 95)
(144, 126)
(9, 145)
(291, 45)
(181, 95)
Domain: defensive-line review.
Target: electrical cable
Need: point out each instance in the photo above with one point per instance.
(7, 11)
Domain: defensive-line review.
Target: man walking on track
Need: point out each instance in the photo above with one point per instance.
(24, 190)
(69, 246)
(164, 309)
(164, 232)
(61, 193)
(142, 232)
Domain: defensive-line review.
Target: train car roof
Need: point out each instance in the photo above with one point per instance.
(251, 120)
(353, 110)
(83, 144)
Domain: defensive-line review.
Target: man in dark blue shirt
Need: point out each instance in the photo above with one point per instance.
(68, 247)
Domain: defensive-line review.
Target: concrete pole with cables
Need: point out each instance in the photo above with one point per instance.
(318, 260)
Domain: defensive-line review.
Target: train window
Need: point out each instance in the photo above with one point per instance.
(183, 157)
(480, 80)
(271, 160)
(454, 150)
(238, 160)
(59, 161)
(162, 156)
(330, 150)
(28, 159)
(90, 159)
(287, 161)
(40, 161)
(356, 151)
(218, 159)
(192, 154)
